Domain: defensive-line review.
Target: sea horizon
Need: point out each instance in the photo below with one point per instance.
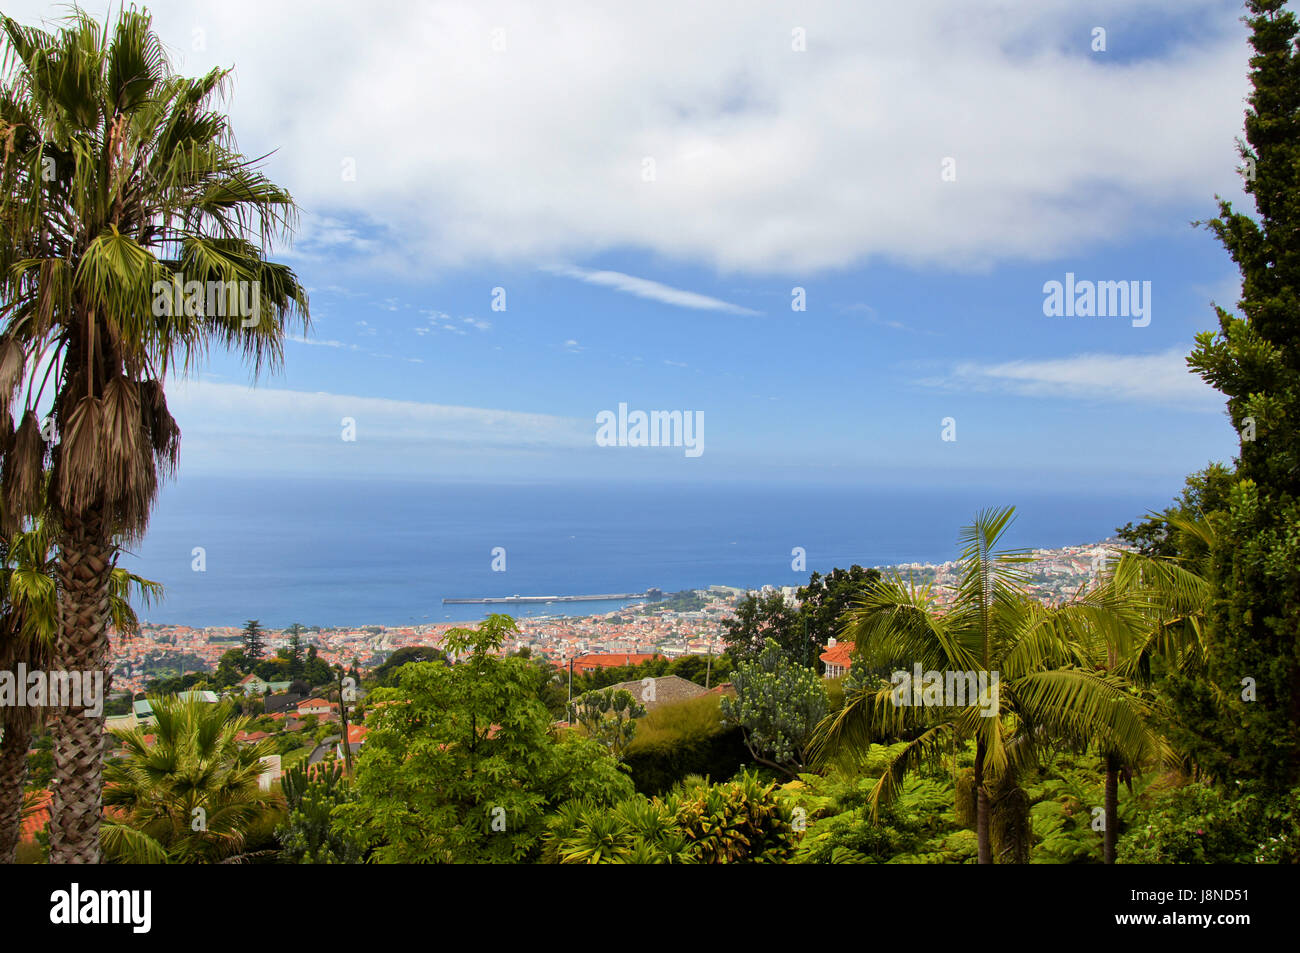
(340, 552)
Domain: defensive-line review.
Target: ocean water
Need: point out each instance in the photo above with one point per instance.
(351, 553)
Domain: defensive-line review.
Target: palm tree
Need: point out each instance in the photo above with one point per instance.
(28, 614)
(1171, 596)
(1046, 689)
(134, 238)
(190, 796)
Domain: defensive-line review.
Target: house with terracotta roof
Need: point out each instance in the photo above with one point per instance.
(35, 821)
(837, 658)
(595, 660)
(356, 738)
(316, 706)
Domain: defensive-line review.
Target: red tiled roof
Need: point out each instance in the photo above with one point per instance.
(357, 733)
(37, 820)
(584, 663)
(840, 654)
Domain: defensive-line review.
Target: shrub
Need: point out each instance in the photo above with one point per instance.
(681, 739)
(742, 821)
(1193, 824)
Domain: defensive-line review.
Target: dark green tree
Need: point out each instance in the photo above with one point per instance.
(779, 704)
(315, 671)
(825, 600)
(464, 769)
(253, 642)
(293, 654)
(1253, 681)
(701, 668)
(760, 618)
(385, 675)
(231, 668)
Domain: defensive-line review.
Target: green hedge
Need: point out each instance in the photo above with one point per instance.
(685, 738)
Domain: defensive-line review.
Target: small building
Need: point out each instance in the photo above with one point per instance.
(652, 693)
(283, 702)
(356, 738)
(120, 723)
(837, 658)
(252, 685)
(272, 771)
(200, 696)
(142, 711)
(316, 706)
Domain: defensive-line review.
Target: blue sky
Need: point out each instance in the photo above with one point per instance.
(504, 145)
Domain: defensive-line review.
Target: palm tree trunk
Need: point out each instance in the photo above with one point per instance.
(13, 778)
(981, 807)
(86, 556)
(1111, 834)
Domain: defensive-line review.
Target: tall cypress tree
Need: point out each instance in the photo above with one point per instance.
(295, 650)
(252, 641)
(1254, 359)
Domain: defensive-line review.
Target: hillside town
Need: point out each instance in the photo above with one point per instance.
(639, 630)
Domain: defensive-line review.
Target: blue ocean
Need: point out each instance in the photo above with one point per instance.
(336, 553)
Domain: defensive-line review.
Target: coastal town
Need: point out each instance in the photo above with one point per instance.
(626, 635)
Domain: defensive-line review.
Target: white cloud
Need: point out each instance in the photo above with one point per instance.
(1162, 378)
(320, 342)
(207, 407)
(765, 158)
(645, 288)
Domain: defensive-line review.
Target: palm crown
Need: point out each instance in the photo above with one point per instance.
(123, 195)
(133, 237)
(1048, 687)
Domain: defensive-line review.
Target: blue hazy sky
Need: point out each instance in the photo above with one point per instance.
(442, 152)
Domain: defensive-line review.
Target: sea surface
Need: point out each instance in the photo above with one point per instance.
(341, 553)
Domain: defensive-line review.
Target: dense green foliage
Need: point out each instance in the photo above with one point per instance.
(310, 835)
(778, 704)
(826, 600)
(1251, 692)
(742, 821)
(188, 795)
(385, 675)
(608, 716)
(760, 619)
(461, 764)
(700, 669)
(686, 738)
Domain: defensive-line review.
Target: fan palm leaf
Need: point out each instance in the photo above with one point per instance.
(134, 239)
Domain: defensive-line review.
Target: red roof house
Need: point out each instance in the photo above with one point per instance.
(837, 658)
(588, 663)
